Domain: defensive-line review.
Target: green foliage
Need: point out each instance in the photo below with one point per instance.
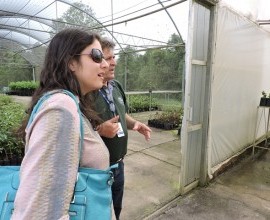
(134, 63)
(139, 103)
(169, 107)
(78, 15)
(28, 85)
(157, 69)
(145, 102)
(173, 117)
(22, 88)
(5, 100)
(11, 115)
(13, 68)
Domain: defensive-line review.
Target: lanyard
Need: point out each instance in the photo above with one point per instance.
(106, 93)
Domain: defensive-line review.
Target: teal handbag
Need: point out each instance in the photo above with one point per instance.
(92, 198)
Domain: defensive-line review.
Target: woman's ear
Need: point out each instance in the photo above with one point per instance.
(72, 65)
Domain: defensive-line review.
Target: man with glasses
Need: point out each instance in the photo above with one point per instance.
(111, 103)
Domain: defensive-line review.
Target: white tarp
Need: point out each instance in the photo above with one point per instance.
(241, 70)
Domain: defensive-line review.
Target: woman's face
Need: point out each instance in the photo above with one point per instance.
(89, 73)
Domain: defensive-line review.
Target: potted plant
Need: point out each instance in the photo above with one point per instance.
(268, 100)
(263, 101)
(167, 120)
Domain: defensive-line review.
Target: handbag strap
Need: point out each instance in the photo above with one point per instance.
(45, 97)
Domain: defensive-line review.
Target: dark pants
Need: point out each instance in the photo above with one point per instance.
(118, 189)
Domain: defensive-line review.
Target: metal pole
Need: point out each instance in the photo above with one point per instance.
(56, 15)
(183, 83)
(171, 20)
(150, 97)
(33, 73)
(126, 69)
(112, 14)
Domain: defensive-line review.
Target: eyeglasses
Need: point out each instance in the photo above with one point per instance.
(95, 54)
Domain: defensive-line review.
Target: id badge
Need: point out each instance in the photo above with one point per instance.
(120, 132)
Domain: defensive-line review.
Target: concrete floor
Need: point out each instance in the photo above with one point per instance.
(152, 183)
(240, 193)
(151, 171)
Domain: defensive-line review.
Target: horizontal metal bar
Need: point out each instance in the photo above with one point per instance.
(156, 92)
(194, 127)
(199, 62)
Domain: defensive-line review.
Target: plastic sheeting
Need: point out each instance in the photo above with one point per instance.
(241, 71)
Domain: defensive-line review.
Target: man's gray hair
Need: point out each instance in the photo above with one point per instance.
(107, 43)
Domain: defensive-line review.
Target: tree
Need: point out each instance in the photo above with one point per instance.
(13, 68)
(179, 54)
(78, 16)
(128, 64)
(156, 69)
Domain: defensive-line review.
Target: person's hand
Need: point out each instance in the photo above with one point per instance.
(143, 129)
(109, 128)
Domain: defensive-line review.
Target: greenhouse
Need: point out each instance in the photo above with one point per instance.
(207, 59)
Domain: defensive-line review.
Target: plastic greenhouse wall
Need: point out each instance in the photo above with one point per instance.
(240, 72)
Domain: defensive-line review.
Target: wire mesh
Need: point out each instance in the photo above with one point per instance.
(26, 27)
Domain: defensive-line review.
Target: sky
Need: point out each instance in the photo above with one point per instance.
(157, 26)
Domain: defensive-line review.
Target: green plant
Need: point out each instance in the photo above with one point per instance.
(23, 88)
(5, 100)
(173, 117)
(28, 85)
(138, 103)
(11, 115)
(167, 119)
